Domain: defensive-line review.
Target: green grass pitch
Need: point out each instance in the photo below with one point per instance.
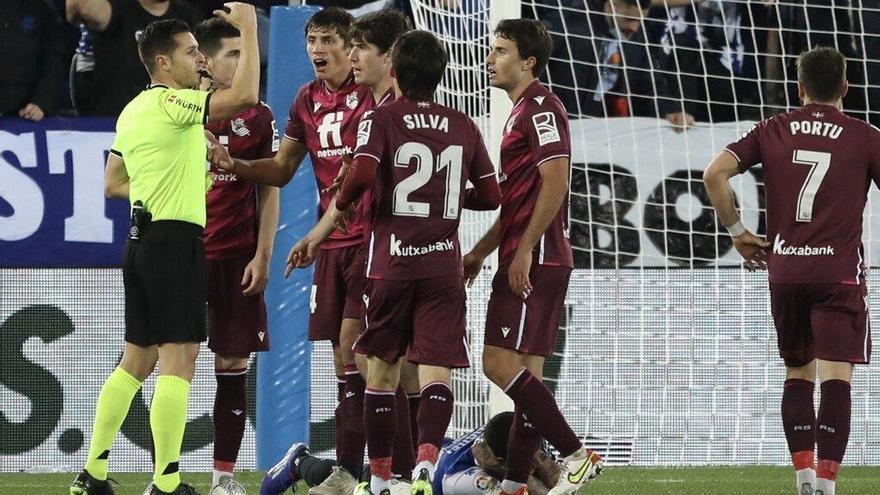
(614, 481)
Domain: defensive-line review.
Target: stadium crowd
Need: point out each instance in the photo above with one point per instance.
(683, 60)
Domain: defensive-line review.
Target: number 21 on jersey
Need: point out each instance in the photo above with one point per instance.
(449, 161)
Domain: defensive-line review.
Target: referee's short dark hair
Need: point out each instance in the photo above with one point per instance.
(497, 433)
(419, 61)
(532, 40)
(381, 28)
(210, 33)
(822, 71)
(158, 39)
(333, 19)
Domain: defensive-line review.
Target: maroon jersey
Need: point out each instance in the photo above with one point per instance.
(426, 154)
(536, 131)
(231, 229)
(326, 121)
(818, 164)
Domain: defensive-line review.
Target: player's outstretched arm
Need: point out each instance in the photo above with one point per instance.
(275, 171)
(245, 89)
(115, 178)
(303, 253)
(717, 181)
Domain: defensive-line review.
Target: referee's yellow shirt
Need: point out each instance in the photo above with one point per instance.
(160, 137)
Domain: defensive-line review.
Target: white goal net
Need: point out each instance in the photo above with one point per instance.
(667, 354)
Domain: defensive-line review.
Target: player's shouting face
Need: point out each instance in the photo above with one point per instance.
(329, 54)
(368, 64)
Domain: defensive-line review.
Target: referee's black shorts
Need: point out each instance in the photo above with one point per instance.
(166, 285)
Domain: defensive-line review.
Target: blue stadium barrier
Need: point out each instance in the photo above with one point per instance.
(283, 376)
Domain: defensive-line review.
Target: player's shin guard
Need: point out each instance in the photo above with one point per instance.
(167, 421)
(799, 421)
(534, 398)
(523, 442)
(403, 458)
(380, 423)
(113, 404)
(833, 425)
(435, 412)
(230, 414)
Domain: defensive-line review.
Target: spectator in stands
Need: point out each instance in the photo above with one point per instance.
(602, 65)
(82, 68)
(31, 58)
(703, 42)
(119, 74)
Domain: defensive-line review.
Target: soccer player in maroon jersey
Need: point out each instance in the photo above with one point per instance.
(818, 165)
(323, 123)
(239, 234)
(535, 258)
(415, 156)
(372, 37)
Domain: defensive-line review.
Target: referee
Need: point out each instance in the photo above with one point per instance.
(158, 161)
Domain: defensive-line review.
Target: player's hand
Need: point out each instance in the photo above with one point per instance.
(31, 111)
(472, 266)
(340, 177)
(217, 153)
(753, 249)
(256, 276)
(240, 14)
(301, 255)
(341, 218)
(680, 120)
(518, 274)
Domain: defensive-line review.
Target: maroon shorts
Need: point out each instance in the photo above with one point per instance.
(821, 321)
(337, 291)
(528, 326)
(236, 322)
(422, 319)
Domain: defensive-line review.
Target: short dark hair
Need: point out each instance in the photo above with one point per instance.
(497, 433)
(332, 19)
(210, 32)
(419, 61)
(158, 39)
(531, 38)
(822, 71)
(381, 28)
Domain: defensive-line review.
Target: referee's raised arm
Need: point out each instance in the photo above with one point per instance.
(245, 90)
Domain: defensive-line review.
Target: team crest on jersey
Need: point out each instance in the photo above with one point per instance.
(510, 122)
(239, 128)
(364, 129)
(545, 126)
(351, 101)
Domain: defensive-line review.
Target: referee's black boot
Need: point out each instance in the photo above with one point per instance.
(182, 489)
(86, 484)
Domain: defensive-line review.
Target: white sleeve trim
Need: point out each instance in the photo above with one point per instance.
(291, 138)
(490, 174)
(734, 154)
(374, 157)
(552, 157)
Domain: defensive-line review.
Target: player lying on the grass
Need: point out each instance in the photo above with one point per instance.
(818, 166)
(467, 466)
(534, 255)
